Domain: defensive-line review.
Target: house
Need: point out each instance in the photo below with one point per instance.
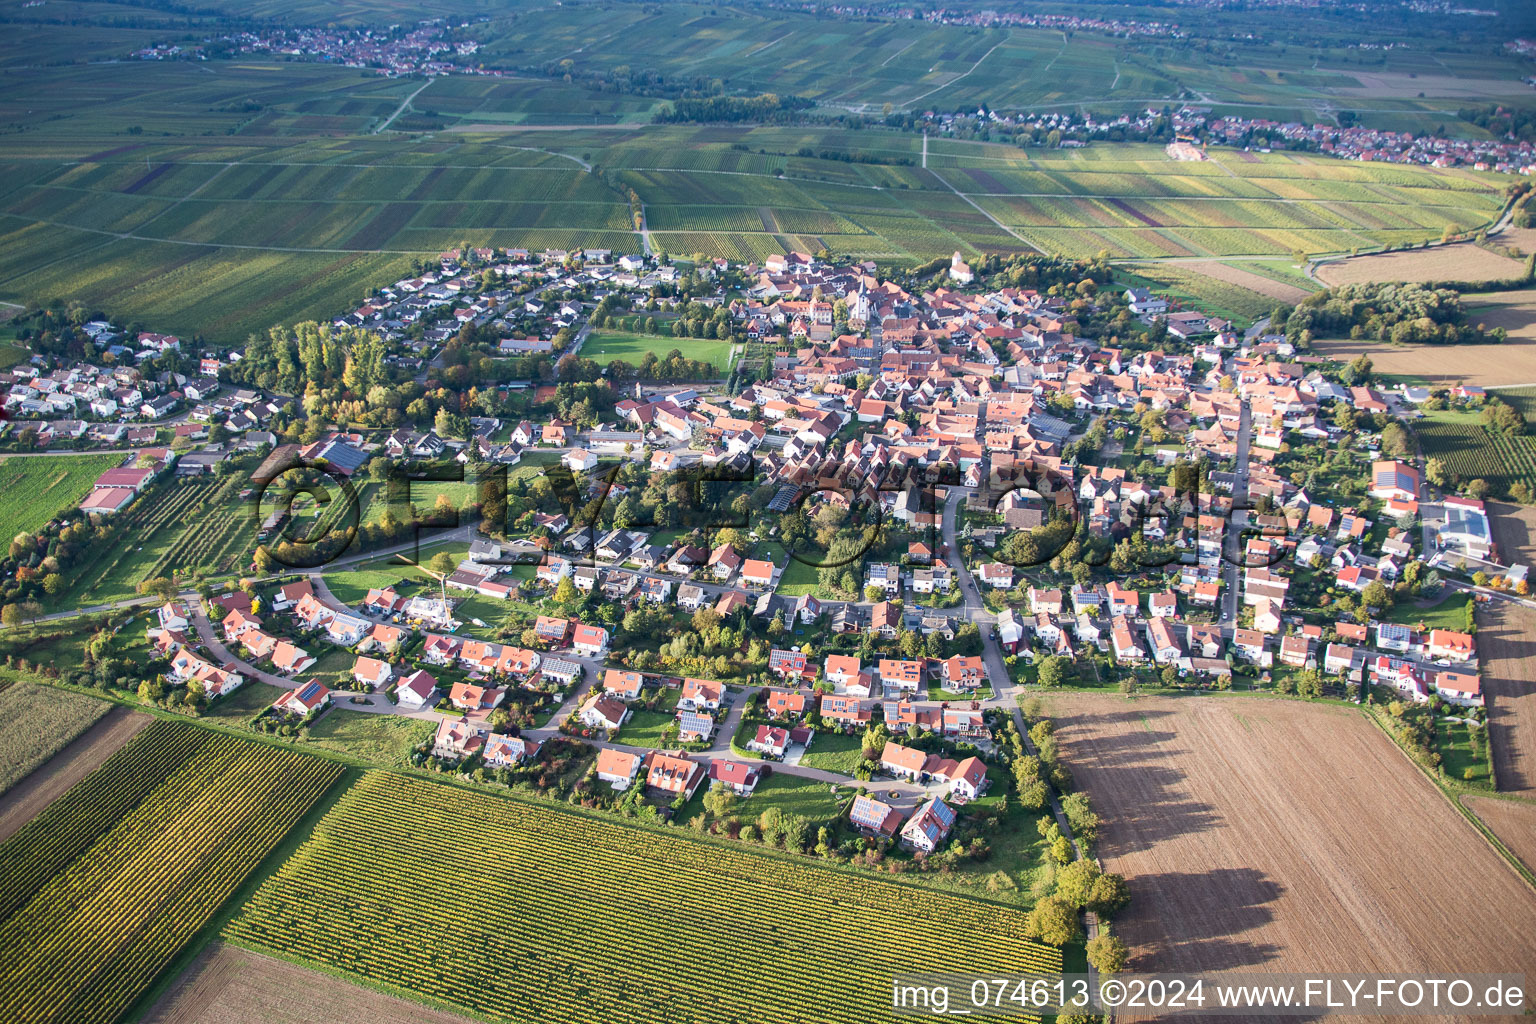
(691, 597)
(723, 561)
(845, 712)
(1047, 601)
(675, 773)
(870, 815)
(841, 670)
(968, 779)
(289, 659)
(622, 684)
(701, 695)
(738, 777)
(1393, 636)
(790, 663)
(1164, 642)
(559, 671)
(902, 674)
(618, 768)
(468, 697)
(1266, 617)
(1390, 479)
(385, 638)
(694, 727)
(1124, 642)
(372, 672)
(1447, 643)
(579, 460)
(1338, 659)
(964, 673)
(1463, 688)
(904, 762)
(785, 703)
(997, 575)
(1122, 600)
(551, 630)
(590, 640)
(807, 609)
(929, 826)
(885, 620)
(601, 711)
(1163, 604)
(1295, 651)
(771, 740)
(302, 700)
(459, 738)
(291, 594)
(757, 573)
(1248, 644)
(508, 751)
(416, 690)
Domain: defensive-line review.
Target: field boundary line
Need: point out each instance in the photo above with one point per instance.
(1487, 834)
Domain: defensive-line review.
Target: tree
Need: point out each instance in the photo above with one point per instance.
(565, 591)
(1052, 921)
(1376, 595)
(1109, 894)
(1074, 883)
(442, 562)
(1107, 953)
(1053, 670)
(10, 615)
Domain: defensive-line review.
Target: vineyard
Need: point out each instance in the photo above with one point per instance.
(104, 888)
(37, 722)
(34, 490)
(1472, 452)
(604, 922)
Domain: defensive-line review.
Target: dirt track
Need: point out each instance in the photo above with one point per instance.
(227, 985)
(29, 797)
(1514, 822)
(1268, 835)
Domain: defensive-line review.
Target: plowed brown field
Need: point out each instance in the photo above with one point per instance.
(1280, 836)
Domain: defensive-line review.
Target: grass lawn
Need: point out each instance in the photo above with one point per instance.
(351, 586)
(606, 346)
(834, 752)
(808, 798)
(936, 692)
(334, 667)
(1447, 613)
(238, 708)
(378, 739)
(649, 729)
(1456, 757)
(798, 579)
(35, 489)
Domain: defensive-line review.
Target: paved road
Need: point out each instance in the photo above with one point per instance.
(1232, 544)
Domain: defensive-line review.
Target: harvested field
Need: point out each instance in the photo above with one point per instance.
(27, 799)
(1506, 635)
(1513, 362)
(1513, 311)
(1514, 531)
(228, 985)
(1461, 261)
(1261, 835)
(1265, 286)
(1513, 821)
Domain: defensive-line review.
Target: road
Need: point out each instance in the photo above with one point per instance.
(1232, 543)
(403, 105)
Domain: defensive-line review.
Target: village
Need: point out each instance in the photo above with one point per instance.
(936, 501)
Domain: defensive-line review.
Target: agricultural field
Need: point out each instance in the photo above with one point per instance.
(83, 755)
(1508, 652)
(1513, 821)
(1253, 835)
(101, 891)
(680, 894)
(292, 217)
(228, 984)
(35, 488)
(1487, 365)
(37, 722)
(1229, 290)
(605, 346)
(1460, 261)
(1471, 451)
(1514, 311)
